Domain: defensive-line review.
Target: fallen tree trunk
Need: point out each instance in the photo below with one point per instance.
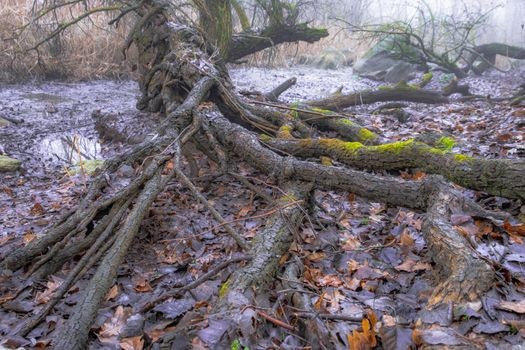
(486, 55)
(400, 92)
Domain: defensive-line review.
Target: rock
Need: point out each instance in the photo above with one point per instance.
(9, 164)
(3, 122)
(388, 61)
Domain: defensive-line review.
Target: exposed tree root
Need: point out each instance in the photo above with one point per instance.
(500, 177)
(276, 92)
(419, 195)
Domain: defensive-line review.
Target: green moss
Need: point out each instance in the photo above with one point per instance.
(285, 132)
(322, 111)
(348, 122)
(436, 151)
(294, 114)
(394, 147)
(224, 288)
(287, 199)
(341, 148)
(9, 164)
(326, 161)
(366, 135)
(401, 86)
(427, 77)
(462, 157)
(265, 138)
(446, 143)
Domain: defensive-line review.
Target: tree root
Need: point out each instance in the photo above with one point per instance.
(500, 177)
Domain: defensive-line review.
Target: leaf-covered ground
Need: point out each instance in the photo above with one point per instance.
(361, 260)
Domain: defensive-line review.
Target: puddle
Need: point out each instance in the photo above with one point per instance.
(71, 149)
(43, 97)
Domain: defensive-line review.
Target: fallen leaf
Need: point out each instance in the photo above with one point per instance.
(517, 307)
(514, 229)
(29, 236)
(52, 286)
(133, 343)
(316, 256)
(112, 293)
(412, 266)
(111, 328)
(142, 285)
(37, 210)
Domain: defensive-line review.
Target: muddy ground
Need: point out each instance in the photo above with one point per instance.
(374, 257)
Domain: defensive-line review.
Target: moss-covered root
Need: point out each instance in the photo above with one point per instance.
(269, 246)
(347, 129)
(499, 177)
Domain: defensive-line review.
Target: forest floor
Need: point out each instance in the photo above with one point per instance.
(371, 258)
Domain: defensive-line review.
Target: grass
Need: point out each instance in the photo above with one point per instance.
(92, 49)
(89, 50)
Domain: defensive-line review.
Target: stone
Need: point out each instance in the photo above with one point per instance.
(389, 60)
(8, 164)
(3, 122)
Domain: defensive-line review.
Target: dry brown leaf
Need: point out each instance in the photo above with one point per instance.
(37, 210)
(113, 326)
(244, 211)
(358, 341)
(412, 266)
(319, 302)
(52, 286)
(133, 343)
(42, 343)
(330, 280)
(514, 229)
(512, 306)
(406, 240)
(112, 293)
(6, 297)
(316, 256)
(142, 285)
(28, 236)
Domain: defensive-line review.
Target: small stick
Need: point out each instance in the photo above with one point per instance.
(194, 284)
(276, 321)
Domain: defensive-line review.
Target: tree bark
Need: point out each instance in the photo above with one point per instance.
(500, 177)
(247, 43)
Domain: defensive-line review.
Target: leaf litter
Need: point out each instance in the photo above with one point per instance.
(366, 269)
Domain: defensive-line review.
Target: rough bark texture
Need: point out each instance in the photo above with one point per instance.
(396, 93)
(500, 177)
(244, 44)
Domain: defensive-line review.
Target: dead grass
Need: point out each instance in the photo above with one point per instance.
(92, 49)
(89, 50)
(288, 54)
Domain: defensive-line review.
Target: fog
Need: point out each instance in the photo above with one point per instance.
(506, 22)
